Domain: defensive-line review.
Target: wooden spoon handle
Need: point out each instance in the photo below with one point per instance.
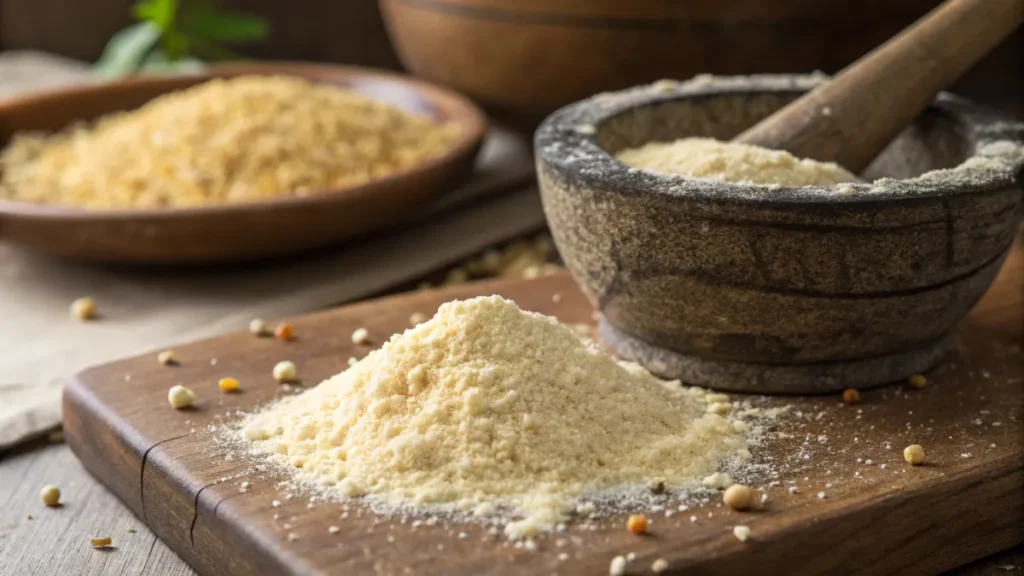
(852, 118)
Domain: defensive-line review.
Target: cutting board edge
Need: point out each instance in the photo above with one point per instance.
(78, 395)
(91, 437)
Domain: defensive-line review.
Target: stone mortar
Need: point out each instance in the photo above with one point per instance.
(774, 289)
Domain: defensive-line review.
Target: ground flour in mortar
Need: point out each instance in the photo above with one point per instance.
(731, 162)
(487, 407)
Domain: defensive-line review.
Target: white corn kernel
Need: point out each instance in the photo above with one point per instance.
(83, 309)
(361, 336)
(180, 397)
(741, 533)
(50, 495)
(285, 371)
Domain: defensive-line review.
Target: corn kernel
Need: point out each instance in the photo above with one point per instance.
(851, 396)
(284, 331)
(180, 397)
(738, 497)
(914, 454)
(83, 309)
(228, 384)
(741, 533)
(50, 495)
(258, 327)
(166, 357)
(617, 566)
(917, 381)
(637, 524)
(285, 371)
(361, 336)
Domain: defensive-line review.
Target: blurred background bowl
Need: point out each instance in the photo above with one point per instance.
(523, 59)
(528, 57)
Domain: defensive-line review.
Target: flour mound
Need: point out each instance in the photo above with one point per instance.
(731, 162)
(486, 406)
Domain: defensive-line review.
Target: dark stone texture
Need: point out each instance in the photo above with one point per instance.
(776, 289)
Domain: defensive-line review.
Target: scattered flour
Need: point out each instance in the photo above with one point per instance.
(731, 162)
(486, 408)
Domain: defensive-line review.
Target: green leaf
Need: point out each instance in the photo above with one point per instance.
(210, 24)
(159, 12)
(175, 44)
(208, 50)
(127, 49)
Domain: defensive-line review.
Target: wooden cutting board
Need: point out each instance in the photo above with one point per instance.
(882, 517)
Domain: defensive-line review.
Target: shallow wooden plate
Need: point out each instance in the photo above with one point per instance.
(243, 231)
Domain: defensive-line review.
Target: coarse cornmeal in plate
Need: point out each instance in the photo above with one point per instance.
(260, 226)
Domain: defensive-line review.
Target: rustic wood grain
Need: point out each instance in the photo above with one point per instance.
(56, 540)
(966, 503)
(875, 98)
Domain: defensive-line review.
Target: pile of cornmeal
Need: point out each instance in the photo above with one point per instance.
(732, 162)
(487, 408)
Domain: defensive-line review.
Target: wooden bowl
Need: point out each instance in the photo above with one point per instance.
(754, 289)
(524, 58)
(241, 231)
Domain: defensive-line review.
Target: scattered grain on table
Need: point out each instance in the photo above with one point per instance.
(284, 331)
(914, 454)
(637, 524)
(258, 327)
(166, 357)
(361, 336)
(851, 396)
(83, 308)
(520, 259)
(917, 381)
(738, 497)
(180, 397)
(285, 371)
(50, 495)
(741, 533)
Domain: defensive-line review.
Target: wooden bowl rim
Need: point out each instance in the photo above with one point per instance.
(457, 108)
(575, 127)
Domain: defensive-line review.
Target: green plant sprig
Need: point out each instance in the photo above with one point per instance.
(177, 35)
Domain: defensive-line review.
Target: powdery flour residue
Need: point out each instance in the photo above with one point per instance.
(487, 410)
(731, 162)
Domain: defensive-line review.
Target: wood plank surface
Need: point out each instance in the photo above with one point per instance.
(169, 469)
(56, 540)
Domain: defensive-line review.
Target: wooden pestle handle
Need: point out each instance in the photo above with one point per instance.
(852, 118)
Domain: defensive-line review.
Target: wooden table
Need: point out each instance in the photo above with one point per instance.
(57, 541)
